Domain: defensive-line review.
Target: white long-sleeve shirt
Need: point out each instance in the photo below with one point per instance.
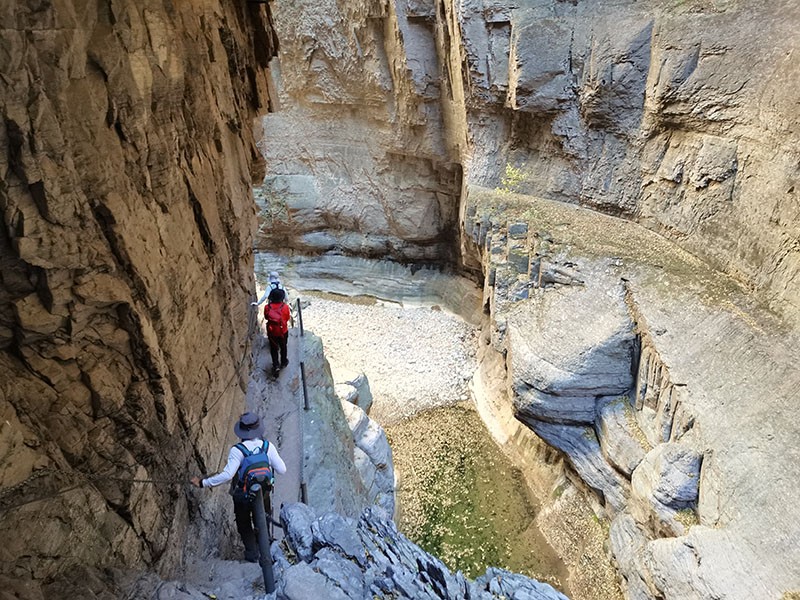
(235, 458)
(272, 285)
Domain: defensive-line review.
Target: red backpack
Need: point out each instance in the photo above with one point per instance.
(273, 313)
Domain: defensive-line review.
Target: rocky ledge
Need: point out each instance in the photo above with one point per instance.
(667, 387)
(332, 557)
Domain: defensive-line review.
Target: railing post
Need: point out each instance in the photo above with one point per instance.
(305, 387)
(300, 316)
(262, 535)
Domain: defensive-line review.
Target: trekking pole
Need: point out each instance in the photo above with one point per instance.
(263, 538)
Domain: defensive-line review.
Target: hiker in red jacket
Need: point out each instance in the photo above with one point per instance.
(277, 315)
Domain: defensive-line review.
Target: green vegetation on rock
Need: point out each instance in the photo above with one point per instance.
(462, 500)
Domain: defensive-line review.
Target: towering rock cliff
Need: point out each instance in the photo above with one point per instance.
(635, 353)
(679, 115)
(359, 163)
(126, 269)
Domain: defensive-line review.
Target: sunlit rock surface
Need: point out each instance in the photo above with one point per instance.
(696, 461)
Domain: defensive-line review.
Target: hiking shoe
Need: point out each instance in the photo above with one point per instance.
(284, 363)
(275, 371)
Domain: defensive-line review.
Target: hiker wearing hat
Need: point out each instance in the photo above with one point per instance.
(252, 456)
(275, 291)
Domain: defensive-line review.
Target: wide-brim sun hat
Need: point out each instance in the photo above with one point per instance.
(248, 426)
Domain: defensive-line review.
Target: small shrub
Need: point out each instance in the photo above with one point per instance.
(512, 179)
(687, 517)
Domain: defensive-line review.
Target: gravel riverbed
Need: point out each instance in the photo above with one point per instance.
(415, 358)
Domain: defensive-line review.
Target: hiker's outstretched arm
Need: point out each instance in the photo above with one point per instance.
(263, 297)
(275, 460)
(234, 460)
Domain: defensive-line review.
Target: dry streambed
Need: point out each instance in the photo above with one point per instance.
(459, 495)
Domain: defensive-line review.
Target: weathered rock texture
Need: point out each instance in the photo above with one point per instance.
(653, 375)
(126, 268)
(354, 165)
(680, 116)
(347, 459)
(333, 557)
(328, 556)
(373, 457)
(665, 386)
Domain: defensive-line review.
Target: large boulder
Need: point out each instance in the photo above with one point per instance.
(567, 349)
(354, 388)
(665, 483)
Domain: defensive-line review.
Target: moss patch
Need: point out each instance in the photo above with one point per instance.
(687, 517)
(462, 500)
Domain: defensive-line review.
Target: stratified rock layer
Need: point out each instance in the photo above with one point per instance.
(126, 268)
(692, 447)
(357, 162)
(681, 116)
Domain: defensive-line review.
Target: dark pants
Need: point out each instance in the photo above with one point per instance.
(276, 344)
(245, 522)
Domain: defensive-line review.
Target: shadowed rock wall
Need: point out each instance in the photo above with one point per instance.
(126, 268)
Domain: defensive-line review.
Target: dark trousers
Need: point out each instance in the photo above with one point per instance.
(245, 523)
(278, 344)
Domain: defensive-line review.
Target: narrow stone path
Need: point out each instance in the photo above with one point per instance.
(279, 402)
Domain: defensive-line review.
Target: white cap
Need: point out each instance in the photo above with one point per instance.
(273, 276)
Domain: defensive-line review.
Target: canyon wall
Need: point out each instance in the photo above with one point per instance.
(634, 353)
(665, 385)
(680, 116)
(357, 160)
(127, 268)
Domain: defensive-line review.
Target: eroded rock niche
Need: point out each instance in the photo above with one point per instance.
(126, 271)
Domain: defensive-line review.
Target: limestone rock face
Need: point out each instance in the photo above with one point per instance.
(679, 117)
(692, 461)
(666, 481)
(354, 388)
(331, 456)
(373, 457)
(353, 165)
(335, 557)
(126, 268)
